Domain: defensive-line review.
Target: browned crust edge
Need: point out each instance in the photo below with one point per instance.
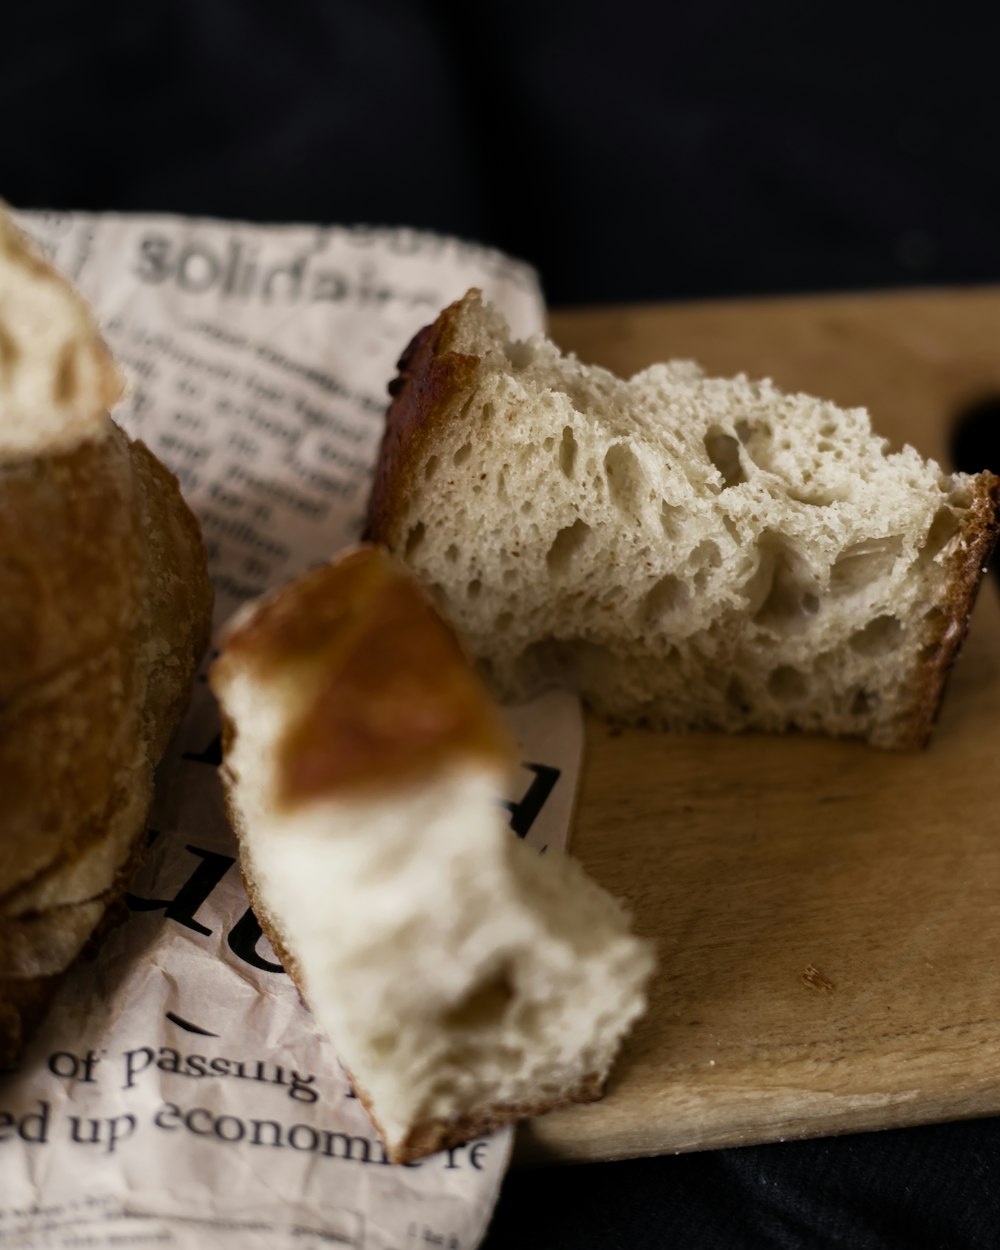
(430, 1136)
(387, 692)
(431, 378)
(978, 537)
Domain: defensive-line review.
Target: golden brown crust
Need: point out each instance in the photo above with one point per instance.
(430, 1136)
(60, 517)
(70, 554)
(23, 999)
(179, 596)
(382, 690)
(44, 943)
(432, 377)
(977, 539)
(105, 608)
(104, 591)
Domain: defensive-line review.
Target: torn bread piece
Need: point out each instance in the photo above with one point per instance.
(57, 377)
(686, 552)
(105, 607)
(465, 980)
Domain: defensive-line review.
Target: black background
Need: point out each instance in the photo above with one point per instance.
(631, 152)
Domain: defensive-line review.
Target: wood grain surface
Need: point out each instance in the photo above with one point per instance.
(827, 916)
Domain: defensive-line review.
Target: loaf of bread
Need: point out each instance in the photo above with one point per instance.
(105, 608)
(686, 552)
(464, 979)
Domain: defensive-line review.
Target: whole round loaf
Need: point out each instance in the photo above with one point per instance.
(105, 606)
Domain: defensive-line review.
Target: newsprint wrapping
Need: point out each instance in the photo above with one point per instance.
(178, 1093)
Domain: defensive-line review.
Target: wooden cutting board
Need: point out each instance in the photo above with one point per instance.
(827, 916)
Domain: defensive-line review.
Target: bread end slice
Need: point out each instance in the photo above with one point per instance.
(464, 980)
(686, 552)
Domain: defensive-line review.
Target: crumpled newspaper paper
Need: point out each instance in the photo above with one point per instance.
(178, 1093)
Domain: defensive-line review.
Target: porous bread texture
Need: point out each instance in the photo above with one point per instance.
(685, 551)
(460, 975)
(105, 607)
(57, 378)
(463, 979)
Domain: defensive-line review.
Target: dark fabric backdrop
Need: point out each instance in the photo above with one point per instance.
(631, 152)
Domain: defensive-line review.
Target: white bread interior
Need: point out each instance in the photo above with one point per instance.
(57, 377)
(686, 551)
